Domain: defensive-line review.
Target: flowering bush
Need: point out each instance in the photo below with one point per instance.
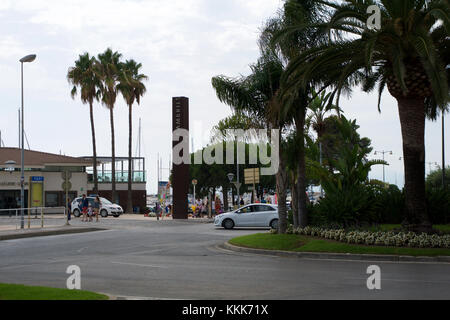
(392, 239)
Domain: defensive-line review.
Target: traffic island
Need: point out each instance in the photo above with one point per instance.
(292, 245)
(31, 233)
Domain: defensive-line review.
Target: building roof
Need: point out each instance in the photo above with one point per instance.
(37, 159)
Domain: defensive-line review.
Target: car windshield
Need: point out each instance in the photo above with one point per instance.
(105, 201)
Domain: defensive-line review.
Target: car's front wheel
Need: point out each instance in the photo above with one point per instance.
(274, 224)
(76, 213)
(104, 213)
(228, 224)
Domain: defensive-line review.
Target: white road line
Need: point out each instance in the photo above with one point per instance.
(403, 280)
(136, 264)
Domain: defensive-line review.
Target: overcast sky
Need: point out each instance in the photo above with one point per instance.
(181, 44)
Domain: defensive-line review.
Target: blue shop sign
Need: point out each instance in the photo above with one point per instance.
(37, 179)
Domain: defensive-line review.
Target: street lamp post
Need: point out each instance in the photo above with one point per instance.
(383, 153)
(231, 177)
(194, 183)
(29, 58)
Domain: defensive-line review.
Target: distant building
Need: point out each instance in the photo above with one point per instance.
(44, 172)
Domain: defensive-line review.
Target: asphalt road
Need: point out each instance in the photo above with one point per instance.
(180, 260)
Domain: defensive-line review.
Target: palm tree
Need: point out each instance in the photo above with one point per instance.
(132, 88)
(256, 96)
(84, 77)
(108, 69)
(408, 55)
(318, 109)
(289, 42)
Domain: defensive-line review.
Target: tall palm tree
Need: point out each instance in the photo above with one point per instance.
(256, 96)
(108, 69)
(132, 88)
(289, 42)
(408, 55)
(83, 77)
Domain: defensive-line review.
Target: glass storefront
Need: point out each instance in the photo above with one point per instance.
(10, 199)
(58, 198)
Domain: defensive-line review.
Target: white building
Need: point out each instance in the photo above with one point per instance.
(44, 172)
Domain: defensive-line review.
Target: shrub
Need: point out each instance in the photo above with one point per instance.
(438, 205)
(390, 204)
(353, 206)
(393, 239)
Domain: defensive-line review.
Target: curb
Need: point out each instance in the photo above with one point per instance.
(44, 233)
(338, 256)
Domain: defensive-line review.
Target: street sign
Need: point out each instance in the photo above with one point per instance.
(251, 176)
(66, 186)
(194, 182)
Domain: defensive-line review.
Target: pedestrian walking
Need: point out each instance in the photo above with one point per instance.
(218, 206)
(90, 212)
(96, 207)
(157, 210)
(84, 207)
(69, 209)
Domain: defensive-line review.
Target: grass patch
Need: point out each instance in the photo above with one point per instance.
(22, 292)
(300, 243)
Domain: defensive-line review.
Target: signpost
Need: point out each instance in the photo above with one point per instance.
(251, 176)
(67, 185)
(194, 183)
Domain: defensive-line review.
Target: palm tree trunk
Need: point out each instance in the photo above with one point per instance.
(412, 120)
(94, 148)
(301, 168)
(130, 161)
(232, 197)
(294, 202)
(282, 182)
(113, 156)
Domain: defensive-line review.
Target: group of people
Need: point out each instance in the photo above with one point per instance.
(88, 210)
(200, 208)
(159, 210)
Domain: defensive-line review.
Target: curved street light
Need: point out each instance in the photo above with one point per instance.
(10, 166)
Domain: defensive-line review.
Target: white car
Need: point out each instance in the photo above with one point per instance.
(107, 208)
(252, 215)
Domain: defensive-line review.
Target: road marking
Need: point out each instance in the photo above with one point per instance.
(238, 253)
(136, 264)
(19, 266)
(405, 280)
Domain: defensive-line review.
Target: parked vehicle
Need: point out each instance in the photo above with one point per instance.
(252, 215)
(107, 208)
